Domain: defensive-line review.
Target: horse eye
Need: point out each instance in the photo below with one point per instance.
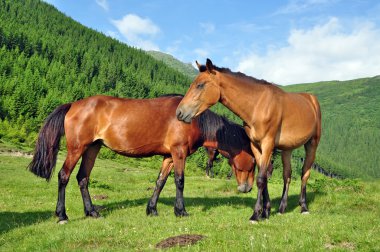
(200, 85)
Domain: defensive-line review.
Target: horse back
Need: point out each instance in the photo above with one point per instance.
(133, 127)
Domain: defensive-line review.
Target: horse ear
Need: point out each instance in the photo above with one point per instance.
(210, 66)
(198, 65)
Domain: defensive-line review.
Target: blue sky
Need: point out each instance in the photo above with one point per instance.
(285, 42)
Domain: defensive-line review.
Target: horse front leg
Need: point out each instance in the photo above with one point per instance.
(167, 165)
(262, 206)
(179, 159)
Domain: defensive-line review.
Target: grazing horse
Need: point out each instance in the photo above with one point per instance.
(230, 140)
(272, 117)
(131, 127)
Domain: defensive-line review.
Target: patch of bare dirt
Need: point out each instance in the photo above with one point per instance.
(180, 240)
(16, 154)
(342, 245)
(100, 197)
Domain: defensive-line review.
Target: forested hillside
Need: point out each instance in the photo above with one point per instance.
(47, 59)
(350, 125)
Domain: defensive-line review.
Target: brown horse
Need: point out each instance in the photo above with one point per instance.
(273, 118)
(230, 140)
(131, 127)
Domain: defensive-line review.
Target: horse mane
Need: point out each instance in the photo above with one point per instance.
(237, 74)
(218, 128)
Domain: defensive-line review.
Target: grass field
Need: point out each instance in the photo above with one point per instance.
(345, 214)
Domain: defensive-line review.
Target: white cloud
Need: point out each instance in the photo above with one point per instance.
(207, 28)
(325, 52)
(138, 31)
(103, 4)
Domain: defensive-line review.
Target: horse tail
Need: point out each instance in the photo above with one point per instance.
(47, 146)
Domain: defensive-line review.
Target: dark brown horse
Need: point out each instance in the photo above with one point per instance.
(273, 118)
(131, 127)
(230, 140)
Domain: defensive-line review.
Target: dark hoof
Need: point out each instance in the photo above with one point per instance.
(180, 213)
(304, 210)
(93, 214)
(62, 219)
(254, 218)
(151, 211)
(282, 208)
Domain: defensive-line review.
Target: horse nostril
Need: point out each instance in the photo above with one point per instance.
(178, 114)
(248, 189)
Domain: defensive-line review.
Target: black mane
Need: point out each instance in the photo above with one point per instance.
(218, 128)
(170, 95)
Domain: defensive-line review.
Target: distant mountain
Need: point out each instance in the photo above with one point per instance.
(185, 68)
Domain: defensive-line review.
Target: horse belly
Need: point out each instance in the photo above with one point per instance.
(133, 139)
(291, 141)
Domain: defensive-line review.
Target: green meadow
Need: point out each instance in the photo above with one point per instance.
(344, 214)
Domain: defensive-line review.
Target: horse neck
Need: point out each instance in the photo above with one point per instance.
(236, 93)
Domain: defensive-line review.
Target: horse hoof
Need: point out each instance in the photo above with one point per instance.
(180, 213)
(306, 212)
(151, 212)
(62, 222)
(254, 222)
(94, 214)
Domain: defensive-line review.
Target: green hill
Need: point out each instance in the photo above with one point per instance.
(47, 59)
(168, 59)
(350, 125)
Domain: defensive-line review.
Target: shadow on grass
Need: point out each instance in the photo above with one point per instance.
(12, 220)
(210, 202)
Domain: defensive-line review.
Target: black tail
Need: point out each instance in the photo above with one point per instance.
(47, 146)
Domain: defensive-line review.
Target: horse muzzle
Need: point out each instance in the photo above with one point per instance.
(184, 115)
(244, 188)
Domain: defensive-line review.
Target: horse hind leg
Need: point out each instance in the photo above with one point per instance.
(71, 160)
(310, 150)
(88, 161)
(286, 175)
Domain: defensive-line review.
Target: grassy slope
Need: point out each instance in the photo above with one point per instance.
(344, 214)
(351, 125)
(172, 62)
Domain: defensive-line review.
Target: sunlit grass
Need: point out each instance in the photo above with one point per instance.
(344, 215)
